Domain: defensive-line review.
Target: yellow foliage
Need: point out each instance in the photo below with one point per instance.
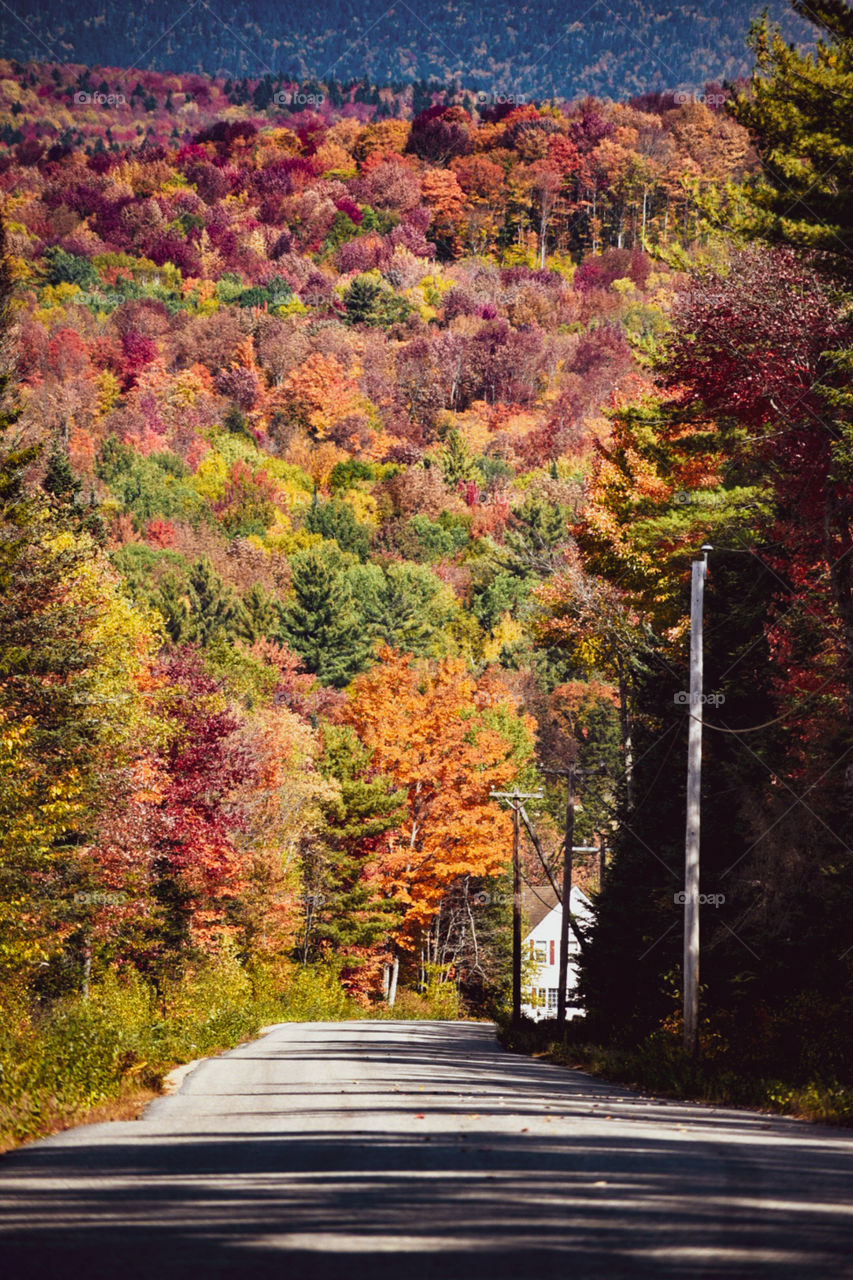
(385, 135)
(109, 390)
(335, 161)
(507, 636)
(210, 476)
(363, 506)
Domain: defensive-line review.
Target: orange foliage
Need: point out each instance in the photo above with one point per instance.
(429, 732)
(320, 393)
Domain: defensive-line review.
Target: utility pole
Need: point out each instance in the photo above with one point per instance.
(567, 898)
(514, 799)
(694, 807)
(566, 895)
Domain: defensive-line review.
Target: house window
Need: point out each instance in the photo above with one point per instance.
(539, 953)
(541, 1001)
(552, 997)
(552, 951)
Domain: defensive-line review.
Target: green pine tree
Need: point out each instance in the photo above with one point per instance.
(342, 908)
(361, 301)
(264, 612)
(336, 521)
(538, 531)
(64, 489)
(798, 112)
(320, 622)
(402, 605)
(201, 607)
(457, 465)
(216, 609)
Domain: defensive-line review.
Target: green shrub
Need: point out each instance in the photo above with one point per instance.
(55, 1066)
(438, 1001)
(314, 994)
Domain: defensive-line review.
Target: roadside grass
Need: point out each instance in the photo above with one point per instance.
(105, 1058)
(83, 1061)
(659, 1065)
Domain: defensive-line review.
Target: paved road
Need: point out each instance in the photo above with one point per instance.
(401, 1151)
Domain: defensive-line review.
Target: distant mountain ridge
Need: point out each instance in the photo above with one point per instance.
(537, 49)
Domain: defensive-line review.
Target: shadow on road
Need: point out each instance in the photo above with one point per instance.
(422, 1150)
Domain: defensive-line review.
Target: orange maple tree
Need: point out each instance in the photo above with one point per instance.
(320, 393)
(447, 739)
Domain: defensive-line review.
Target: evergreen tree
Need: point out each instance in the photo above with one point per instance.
(215, 608)
(343, 907)
(457, 465)
(533, 541)
(798, 112)
(336, 521)
(320, 622)
(172, 601)
(64, 489)
(263, 611)
(403, 605)
(202, 607)
(361, 301)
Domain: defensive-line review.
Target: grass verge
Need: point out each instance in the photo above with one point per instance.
(661, 1066)
(105, 1058)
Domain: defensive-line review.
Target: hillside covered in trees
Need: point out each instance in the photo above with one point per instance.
(352, 468)
(536, 50)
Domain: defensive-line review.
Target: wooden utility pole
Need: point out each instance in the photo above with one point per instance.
(566, 894)
(516, 915)
(514, 799)
(694, 807)
(567, 897)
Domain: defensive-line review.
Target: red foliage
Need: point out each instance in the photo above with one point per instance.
(138, 351)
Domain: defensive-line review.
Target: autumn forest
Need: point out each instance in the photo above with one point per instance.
(355, 444)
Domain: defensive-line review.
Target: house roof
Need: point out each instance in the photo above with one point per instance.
(537, 900)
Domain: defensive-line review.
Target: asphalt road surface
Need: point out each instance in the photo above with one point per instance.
(406, 1150)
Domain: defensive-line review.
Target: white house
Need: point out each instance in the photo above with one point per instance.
(541, 950)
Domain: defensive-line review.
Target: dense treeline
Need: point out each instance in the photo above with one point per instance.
(312, 409)
(537, 49)
(745, 444)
